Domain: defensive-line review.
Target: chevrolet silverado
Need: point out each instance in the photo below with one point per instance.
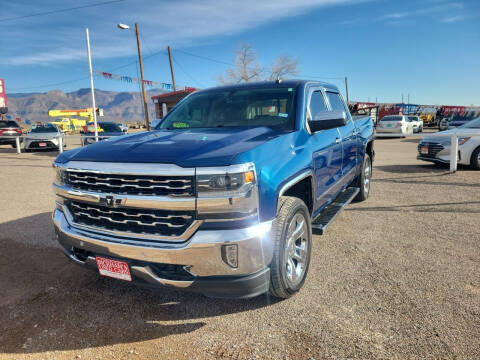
(223, 195)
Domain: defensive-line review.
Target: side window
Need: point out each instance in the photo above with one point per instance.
(317, 104)
(335, 101)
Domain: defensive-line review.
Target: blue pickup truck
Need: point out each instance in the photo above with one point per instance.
(223, 196)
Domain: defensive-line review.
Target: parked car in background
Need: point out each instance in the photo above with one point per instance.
(45, 136)
(394, 126)
(8, 131)
(417, 123)
(105, 131)
(124, 127)
(222, 196)
(437, 148)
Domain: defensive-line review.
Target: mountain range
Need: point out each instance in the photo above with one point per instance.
(117, 106)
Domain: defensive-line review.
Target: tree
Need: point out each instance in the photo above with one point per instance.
(248, 69)
(283, 67)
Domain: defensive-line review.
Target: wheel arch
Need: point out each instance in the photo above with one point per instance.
(472, 155)
(302, 187)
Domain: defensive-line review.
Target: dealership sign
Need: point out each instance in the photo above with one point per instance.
(3, 98)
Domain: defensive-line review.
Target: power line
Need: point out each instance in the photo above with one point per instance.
(152, 54)
(59, 10)
(186, 73)
(231, 64)
(48, 85)
(205, 58)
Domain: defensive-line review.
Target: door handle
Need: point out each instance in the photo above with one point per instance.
(337, 141)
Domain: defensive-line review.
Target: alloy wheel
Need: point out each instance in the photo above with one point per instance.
(296, 250)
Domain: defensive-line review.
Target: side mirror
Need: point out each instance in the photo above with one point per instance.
(328, 120)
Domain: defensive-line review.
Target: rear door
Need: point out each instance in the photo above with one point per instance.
(327, 152)
(348, 134)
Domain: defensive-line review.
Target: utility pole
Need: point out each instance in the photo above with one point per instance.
(171, 67)
(147, 121)
(89, 55)
(346, 88)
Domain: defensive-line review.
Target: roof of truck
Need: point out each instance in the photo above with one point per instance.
(282, 83)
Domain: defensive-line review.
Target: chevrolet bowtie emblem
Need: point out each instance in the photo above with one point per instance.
(110, 201)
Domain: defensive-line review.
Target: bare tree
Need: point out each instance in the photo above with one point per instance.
(283, 67)
(248, 69)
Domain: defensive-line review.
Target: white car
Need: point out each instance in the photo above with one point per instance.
(124, 127)
(417, 123)
(45, 136)
(394, 126)
(436, 148)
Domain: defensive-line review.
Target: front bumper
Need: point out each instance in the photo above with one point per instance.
(202, 257)
(32, 143)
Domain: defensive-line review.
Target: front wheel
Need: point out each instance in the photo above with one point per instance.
(292, 246)
(364, 179)
(475, 160)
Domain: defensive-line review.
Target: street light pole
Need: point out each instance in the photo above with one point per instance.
(91, 84)
(147, 121)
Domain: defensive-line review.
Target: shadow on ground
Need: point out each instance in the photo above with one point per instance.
(38, 152)
(50, 304)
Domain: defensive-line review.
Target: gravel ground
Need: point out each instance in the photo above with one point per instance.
(396, 277)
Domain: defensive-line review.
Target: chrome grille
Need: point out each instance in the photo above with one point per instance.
(131, 184)
(433, 149)
(131, 220)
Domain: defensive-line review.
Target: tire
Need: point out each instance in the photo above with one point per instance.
(364, 179)
(475, 159)
(291, 253)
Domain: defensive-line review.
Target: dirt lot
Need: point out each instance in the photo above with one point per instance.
(396, 277)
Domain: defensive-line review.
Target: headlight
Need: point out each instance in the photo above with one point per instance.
(462, 140)
(228, 193)
(60, 175)
(232, 181)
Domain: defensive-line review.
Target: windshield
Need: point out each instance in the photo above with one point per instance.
(8, 124)
(44, 129)
(103, 127)
(110, 127)
(272, 107)
(392, 118)
(474, 124)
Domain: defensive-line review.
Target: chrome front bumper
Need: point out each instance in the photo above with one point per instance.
(201, 255)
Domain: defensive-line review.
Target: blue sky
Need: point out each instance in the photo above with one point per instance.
(429, 49)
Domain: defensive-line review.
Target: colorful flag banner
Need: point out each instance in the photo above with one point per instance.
(131, 80)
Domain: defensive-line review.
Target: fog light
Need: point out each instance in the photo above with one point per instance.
(230, 255)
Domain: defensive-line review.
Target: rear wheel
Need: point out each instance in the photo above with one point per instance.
(475, 159)
(292, 242)
(364, 179)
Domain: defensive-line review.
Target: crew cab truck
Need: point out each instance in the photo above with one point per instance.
(223, 195)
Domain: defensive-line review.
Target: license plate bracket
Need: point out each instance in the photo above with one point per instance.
(113, 268)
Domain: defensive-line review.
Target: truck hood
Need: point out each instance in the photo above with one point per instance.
(186, 148)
